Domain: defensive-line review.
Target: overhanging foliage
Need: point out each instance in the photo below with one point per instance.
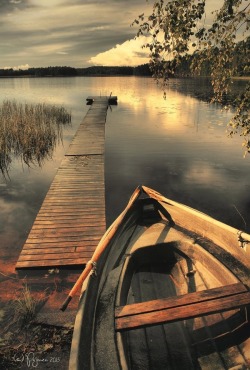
(177, 28)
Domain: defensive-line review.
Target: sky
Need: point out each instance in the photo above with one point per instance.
(76, 33)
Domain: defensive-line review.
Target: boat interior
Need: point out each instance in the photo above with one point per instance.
(175, 302)
(190, 339)
(165, 300)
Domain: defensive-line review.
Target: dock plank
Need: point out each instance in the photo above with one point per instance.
(71, 220)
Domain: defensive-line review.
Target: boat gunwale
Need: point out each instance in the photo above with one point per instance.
(160, 198)
(225, 236)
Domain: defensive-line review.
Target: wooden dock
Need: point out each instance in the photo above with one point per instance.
(71, 220)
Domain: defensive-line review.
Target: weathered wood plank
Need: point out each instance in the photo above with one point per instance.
(183, 307)
(50, 256)
(88, 243)
(61, 233)
(185, 299)
(53, 225)
(175, 314)
(51, 263)
(39, 239)
(54, 213)
(71, 220)
(64, 219)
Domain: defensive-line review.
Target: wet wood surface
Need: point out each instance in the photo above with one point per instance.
(71, 220)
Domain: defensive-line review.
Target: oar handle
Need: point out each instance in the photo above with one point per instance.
(77, 285)
(65, 303)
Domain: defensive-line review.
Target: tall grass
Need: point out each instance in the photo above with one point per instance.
(25, 307)
(29, 131)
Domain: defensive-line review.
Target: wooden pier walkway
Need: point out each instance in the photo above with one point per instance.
(71, 220)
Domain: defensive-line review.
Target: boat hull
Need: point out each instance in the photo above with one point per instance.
(153, 257)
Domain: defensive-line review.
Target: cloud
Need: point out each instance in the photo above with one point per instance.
(51, 32)
(128, 53)
(16, 68)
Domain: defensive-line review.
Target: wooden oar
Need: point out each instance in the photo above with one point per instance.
(100, 249)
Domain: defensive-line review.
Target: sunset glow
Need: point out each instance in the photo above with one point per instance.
(73, 33)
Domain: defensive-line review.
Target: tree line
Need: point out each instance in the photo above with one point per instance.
(142, 70)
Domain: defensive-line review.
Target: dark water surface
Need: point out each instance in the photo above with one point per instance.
(178, 146)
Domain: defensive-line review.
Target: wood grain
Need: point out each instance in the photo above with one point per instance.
(71, 220)
(183, 307)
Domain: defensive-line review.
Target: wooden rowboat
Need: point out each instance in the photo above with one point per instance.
(170, 291)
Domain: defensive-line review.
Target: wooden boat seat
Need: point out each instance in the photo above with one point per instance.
(182, 307)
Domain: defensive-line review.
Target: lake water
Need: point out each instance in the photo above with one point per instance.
(178, 146)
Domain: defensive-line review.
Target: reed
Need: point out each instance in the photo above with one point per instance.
(30, 132)
(25, 307)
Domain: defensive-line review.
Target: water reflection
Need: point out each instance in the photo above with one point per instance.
(30, 132)
(178, 146)
(201, 88)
